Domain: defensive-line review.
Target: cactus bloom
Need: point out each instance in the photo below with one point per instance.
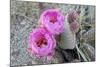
(72, 15)
(74, 26)
(41, 42)
(53, 21)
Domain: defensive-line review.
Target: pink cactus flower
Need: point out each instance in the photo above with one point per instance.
(74, 26)
(41, 43)
(72, 15)
(53, 21)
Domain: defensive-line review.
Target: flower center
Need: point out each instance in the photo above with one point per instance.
(53, 19)
(41, 42)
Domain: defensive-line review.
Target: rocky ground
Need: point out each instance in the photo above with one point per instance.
(24, 17)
